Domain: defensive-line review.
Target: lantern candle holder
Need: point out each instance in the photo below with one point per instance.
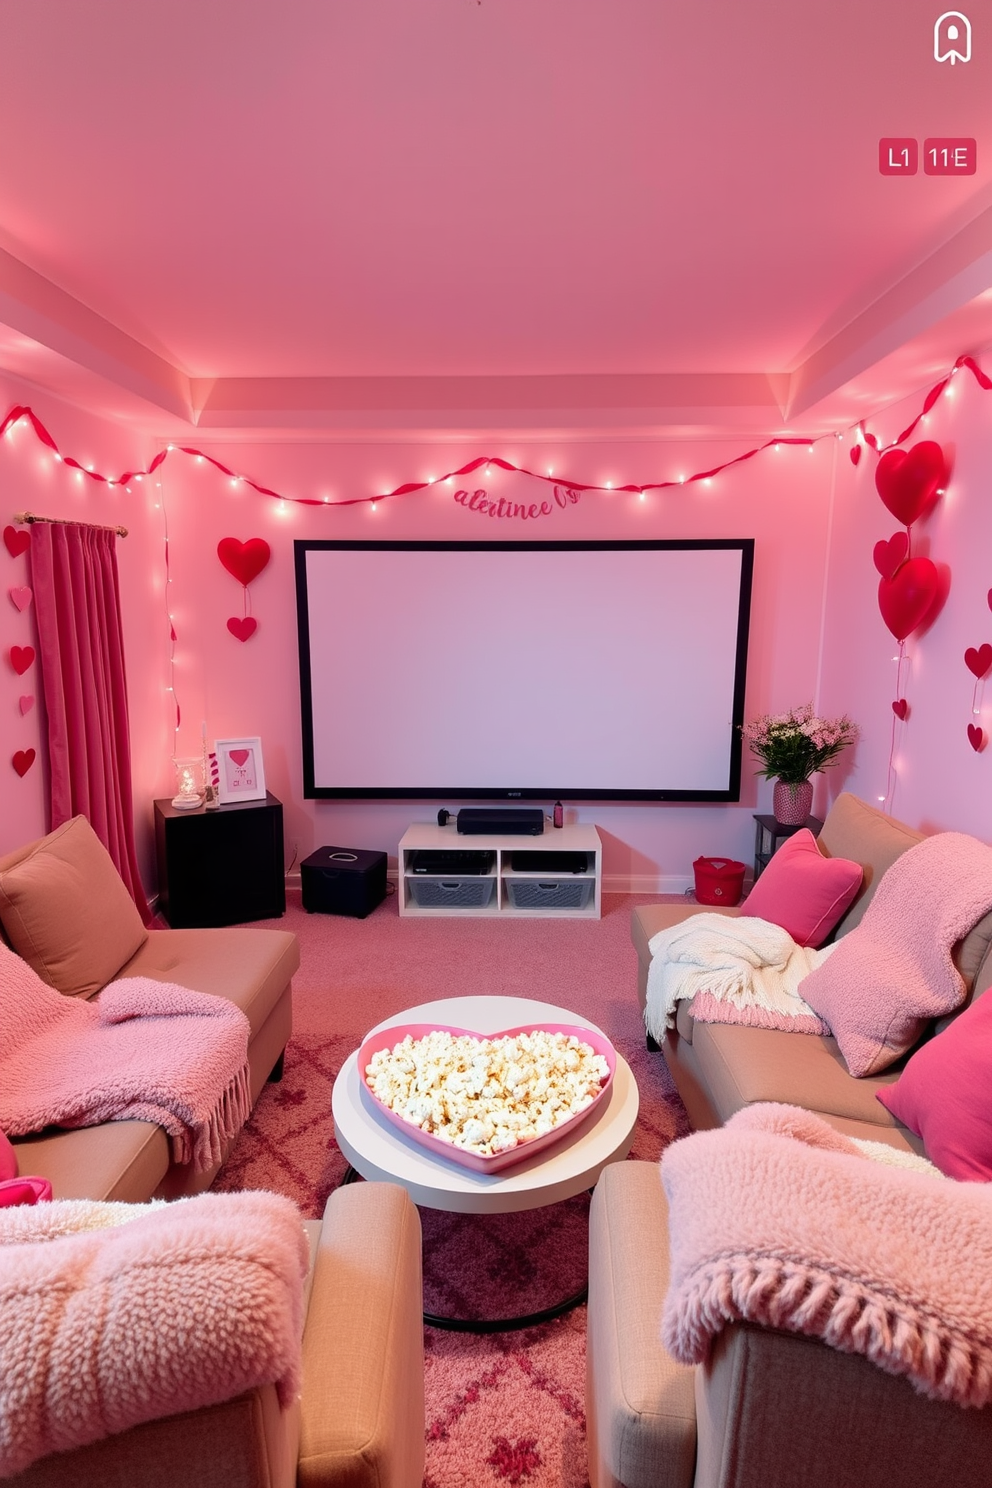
(190, 781)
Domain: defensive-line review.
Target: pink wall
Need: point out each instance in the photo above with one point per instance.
(32, 480)
(940, 782)
(816, 632)
(253, 688)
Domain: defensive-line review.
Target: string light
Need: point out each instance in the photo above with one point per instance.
(860, 436)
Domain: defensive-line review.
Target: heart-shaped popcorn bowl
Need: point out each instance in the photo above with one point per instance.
(479, 1162)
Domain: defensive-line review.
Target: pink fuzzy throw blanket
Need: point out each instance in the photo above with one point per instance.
(777, 1219)
(886, 979)
(142, 1051)
(115, 1314)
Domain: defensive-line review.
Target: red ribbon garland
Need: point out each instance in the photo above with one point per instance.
(21, 411)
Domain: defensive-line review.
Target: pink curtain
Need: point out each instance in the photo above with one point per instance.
(81, 651)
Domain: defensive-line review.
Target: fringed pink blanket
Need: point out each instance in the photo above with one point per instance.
(143, 1051)
(777, 1219)
(115, 1314)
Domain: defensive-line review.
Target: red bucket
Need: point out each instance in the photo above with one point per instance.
(718, 881)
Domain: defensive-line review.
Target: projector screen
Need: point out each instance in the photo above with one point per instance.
(523, 671)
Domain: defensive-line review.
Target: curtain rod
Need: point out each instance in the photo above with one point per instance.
(30, 517)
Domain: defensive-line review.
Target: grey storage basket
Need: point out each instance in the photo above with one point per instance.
(550, 893)
(439, 892)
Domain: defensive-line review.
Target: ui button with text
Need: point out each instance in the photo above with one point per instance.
(898, 157)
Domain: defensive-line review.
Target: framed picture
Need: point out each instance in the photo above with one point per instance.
(241, 777)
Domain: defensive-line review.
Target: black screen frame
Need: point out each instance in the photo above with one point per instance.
(536, 791)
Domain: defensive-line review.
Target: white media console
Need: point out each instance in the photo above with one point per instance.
(539, 890)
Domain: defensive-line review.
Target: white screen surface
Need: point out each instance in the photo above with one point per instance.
(503, 671)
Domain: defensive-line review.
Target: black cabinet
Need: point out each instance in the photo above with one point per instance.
(220, 867)
(771, 834)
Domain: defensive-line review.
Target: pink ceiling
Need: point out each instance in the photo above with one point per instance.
(534, 213)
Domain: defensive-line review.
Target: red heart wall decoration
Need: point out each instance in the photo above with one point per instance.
(889, 556)
(976, 737)
(855, 453)
(21, 596)
(239, 756)
(26, 702)
(909, 481)
(17, 542)
(901, 709)
(909, 597)
(243, 629)
(245, 560)
(978, 661)
(21, 658)
(23, 760)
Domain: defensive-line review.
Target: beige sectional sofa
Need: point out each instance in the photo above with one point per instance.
(769, 1409)
(64, 909)
(719, 1068)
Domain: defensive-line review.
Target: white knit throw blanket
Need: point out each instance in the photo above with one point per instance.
(749, 966)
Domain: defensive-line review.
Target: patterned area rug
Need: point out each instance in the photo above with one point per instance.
(502, 1408)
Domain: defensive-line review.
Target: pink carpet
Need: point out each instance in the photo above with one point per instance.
(507, 1408)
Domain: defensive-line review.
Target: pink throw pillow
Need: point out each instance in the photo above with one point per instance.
(804, 892)
(943, 1095)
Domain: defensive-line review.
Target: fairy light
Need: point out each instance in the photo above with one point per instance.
(857, 433)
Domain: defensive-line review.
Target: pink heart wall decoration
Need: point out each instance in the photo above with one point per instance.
(901, 709)
(21, 658)
(26, 702)
(909, 481)
(23, 760)
(21, 596)
(909, 598)
(244, 560)
(17, 542)
(855, 453)
(978, 661)
(243, 629)
(890, 556)
(976, 737)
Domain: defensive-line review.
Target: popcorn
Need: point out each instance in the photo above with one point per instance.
(487, 1095)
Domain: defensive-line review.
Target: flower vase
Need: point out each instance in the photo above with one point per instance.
(791, 803)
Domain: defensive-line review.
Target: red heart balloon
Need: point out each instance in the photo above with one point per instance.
(23, 760)
(909, 481)
(889, 556)
(17, 542)
(900, 708)
(245, 560)
(976, 737)
(21, 658)
(243, 629)
(907, 599)
(978, 661)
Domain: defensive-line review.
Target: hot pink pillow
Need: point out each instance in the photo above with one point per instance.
(804, 892)
(943, 1095)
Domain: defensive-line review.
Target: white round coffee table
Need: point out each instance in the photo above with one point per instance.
(378, 1150)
